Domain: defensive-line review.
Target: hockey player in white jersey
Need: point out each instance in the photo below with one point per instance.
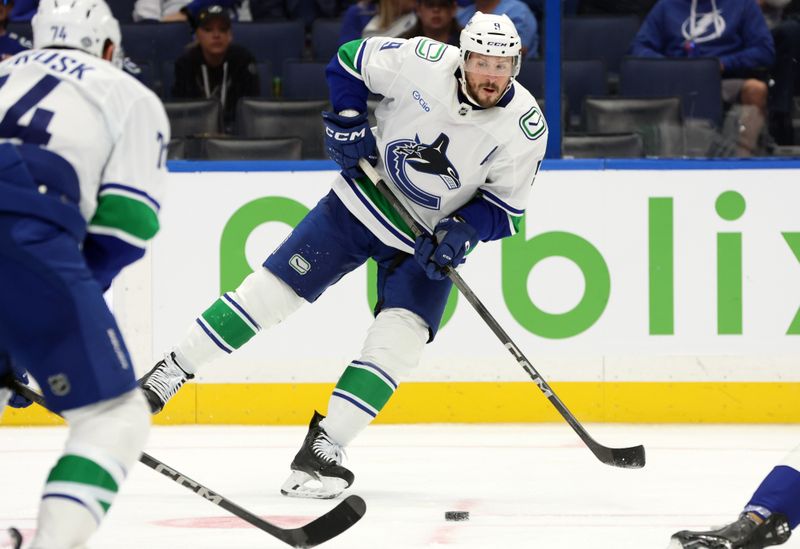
(82, 154)
(459, 142)
(768, 518)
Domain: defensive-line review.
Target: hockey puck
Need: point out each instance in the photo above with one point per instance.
(456, 515)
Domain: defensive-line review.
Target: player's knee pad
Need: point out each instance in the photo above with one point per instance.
(117, 427)
(395, 341)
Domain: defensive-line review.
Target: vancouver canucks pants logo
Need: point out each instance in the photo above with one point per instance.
(425, 158)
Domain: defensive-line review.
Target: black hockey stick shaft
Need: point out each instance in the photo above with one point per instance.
(318, 531)
(633, 457)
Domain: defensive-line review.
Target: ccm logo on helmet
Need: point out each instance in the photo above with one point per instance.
(347, 136)
(496, 44)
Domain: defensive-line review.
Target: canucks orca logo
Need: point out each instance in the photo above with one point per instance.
(425, 159)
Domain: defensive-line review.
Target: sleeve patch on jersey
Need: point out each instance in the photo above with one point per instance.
(430, 50)
(532, 124)
(350, 55)
(126, 214)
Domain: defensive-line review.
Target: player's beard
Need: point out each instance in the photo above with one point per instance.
(485, 92)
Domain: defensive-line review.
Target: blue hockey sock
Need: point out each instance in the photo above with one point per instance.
(780, 493)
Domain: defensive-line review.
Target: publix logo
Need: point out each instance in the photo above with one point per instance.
(520, 254)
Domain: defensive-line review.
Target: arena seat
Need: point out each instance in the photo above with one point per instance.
(696, 81)
(262, 118)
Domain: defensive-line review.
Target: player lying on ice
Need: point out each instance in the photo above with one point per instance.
(767, 519)
(459, 142)
(82, 171)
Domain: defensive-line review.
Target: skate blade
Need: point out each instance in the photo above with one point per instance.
(303, 485)
(676, 543)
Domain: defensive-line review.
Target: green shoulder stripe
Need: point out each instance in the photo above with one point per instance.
(348, 53)
(126, 214)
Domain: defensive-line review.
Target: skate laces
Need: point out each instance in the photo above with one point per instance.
(327, 450)
(166, 378)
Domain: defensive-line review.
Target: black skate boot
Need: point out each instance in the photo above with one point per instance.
(162, 382)
(11, 538)
(319, 461)
(750, 531)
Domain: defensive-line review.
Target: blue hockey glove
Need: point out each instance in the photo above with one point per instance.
(348, 138)
(451, 241)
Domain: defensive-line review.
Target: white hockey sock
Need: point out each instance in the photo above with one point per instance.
(393, 347)
(261, 301)
(105, 440)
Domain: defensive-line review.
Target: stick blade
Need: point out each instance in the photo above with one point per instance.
(329, 525)
(626, 458)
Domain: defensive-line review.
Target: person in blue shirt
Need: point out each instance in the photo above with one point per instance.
(355, 18)
(519, 13)
(733, 31)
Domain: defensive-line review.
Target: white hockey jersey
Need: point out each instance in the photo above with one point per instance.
(436, 151)
(107, 126)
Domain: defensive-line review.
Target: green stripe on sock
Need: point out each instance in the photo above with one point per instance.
(81, 470)
(365, 385)
(126, 214)
(230, 326)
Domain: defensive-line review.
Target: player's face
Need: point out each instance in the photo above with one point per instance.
(214, 36)
(487, 77)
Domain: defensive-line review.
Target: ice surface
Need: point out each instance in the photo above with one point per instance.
(525, 486)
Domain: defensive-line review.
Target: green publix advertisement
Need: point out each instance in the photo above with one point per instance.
(639, 295)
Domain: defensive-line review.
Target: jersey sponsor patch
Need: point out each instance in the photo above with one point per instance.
(533, 124)
(430, 50)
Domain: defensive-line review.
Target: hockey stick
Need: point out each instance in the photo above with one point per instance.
(632, 458)
(318, 531)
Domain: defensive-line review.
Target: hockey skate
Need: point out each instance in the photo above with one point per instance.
(162, 382)
(317, 470)
(750, 531)
(10, 538)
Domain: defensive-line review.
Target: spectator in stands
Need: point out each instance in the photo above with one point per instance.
(784, 20)
(733, 31)
(10, 43)
(436, 19)
(393, 18)
(215, 67)
(519, 13)
(172, 11)
(639, 8)
(355, 18)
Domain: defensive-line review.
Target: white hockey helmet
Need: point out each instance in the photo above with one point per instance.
(81, 24)
(490, 34)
